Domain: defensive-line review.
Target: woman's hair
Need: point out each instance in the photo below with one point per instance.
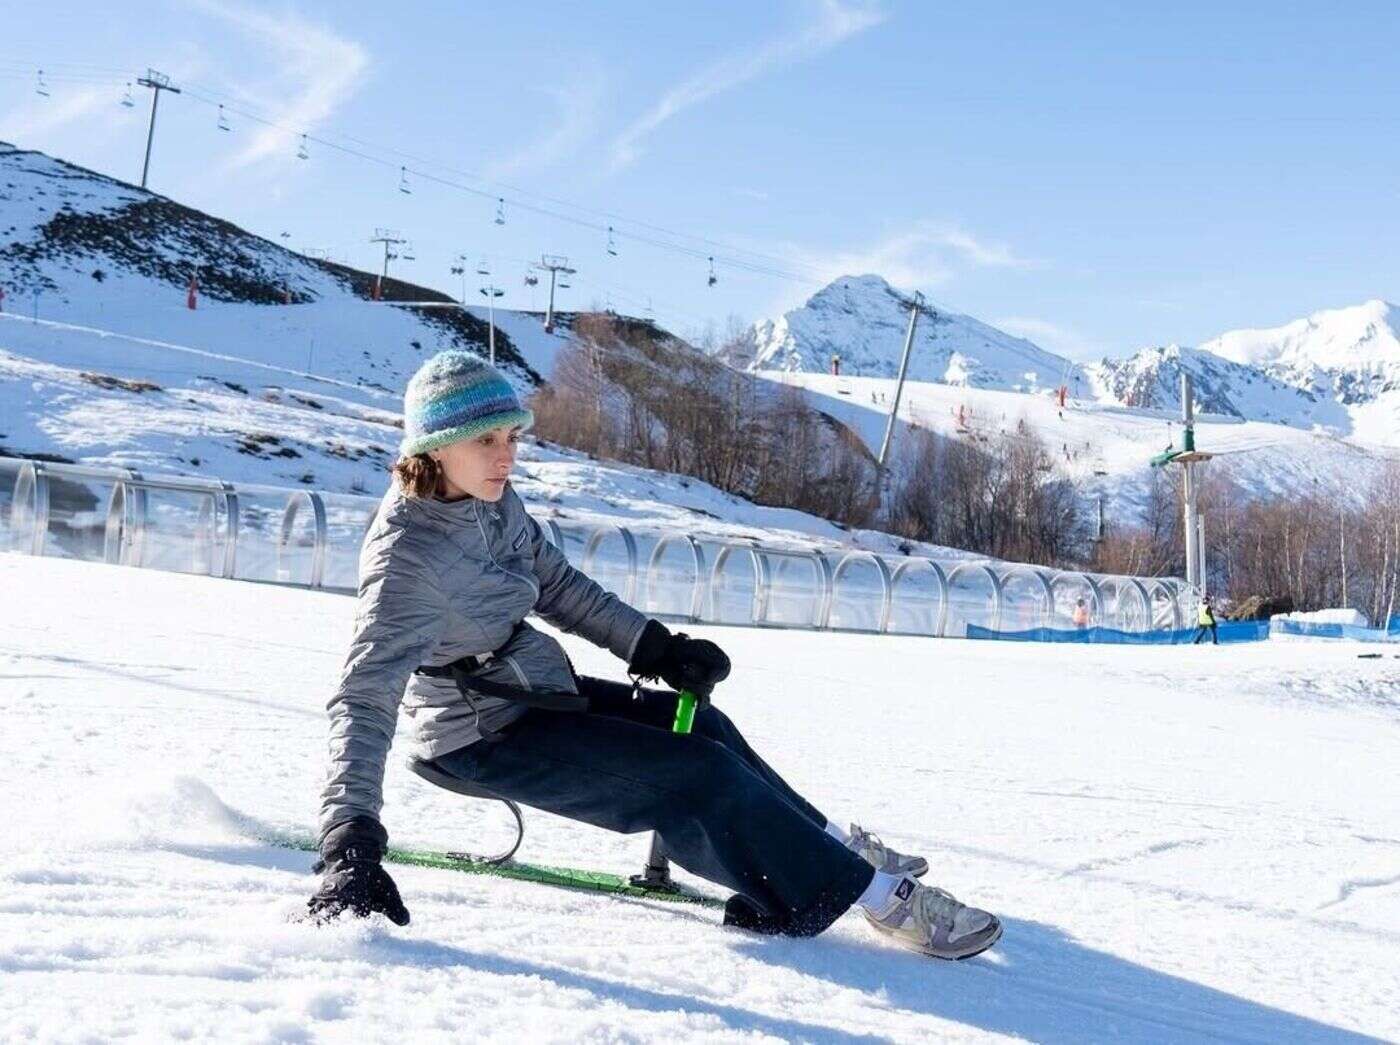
(419, 476)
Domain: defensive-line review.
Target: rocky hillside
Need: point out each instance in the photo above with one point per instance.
(81, 248)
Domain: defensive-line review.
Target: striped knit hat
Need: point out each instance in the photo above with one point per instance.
(456, 395)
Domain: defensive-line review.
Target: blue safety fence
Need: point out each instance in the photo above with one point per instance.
(1319, 630)
(1230, 631)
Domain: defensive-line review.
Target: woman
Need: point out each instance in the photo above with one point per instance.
(450, 568)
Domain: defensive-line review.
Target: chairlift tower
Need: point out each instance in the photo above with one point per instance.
(492, 292)
(157, 82)
(914, 306)
(556, 264)
(1189, 458)
(390, 238)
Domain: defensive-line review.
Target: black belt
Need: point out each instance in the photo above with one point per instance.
(462, 673)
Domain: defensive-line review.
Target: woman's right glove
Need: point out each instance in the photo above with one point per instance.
(678, 660)
(353, 879)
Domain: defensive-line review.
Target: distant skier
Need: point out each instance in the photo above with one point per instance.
(451, 566)
(1205, 619)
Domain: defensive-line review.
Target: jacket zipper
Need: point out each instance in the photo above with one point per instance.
(534, 584)
(519, 674)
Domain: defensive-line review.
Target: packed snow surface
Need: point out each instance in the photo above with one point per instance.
(1183, 845)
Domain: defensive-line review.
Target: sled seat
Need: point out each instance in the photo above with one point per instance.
(430, 772)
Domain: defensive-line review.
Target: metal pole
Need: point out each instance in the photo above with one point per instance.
(914, 307)
(1201, 551)
(1188, 420)
(1189, 521)
(556, 263)
(1188, 414)
(157, 82)
(491, 320)
(150, 135)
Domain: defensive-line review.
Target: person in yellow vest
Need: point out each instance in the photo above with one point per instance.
(1205, 618)
(1081, 613)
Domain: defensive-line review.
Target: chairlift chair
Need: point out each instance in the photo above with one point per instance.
(302, 154)
(713, 278)
(223, 120)
(404, 187)
(612, 243)
(500, 210)
(482, 268)
(40, 87)
(531, 280)
(128, 102)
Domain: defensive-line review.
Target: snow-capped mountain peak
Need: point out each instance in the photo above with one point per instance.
(863, 321)
(1351, 354)
(1336, 339)
(1151, 378)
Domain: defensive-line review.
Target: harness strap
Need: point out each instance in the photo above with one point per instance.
(461, 671)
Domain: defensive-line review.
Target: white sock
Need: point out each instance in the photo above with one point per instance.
(834, 830)
(878, 894)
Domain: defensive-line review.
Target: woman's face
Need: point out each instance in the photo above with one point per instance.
(478, 466)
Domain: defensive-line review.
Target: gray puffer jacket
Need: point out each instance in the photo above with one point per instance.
(439, 581)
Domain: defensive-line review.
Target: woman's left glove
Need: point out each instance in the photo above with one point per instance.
(353, 879)
(697, 665)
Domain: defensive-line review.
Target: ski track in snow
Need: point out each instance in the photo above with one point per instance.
(1352, 885)
(1176, 856)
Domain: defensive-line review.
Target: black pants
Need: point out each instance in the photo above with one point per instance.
(1201, 633)
(721, 811)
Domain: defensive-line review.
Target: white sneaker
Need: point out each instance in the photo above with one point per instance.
(926, 919)
(882, 857)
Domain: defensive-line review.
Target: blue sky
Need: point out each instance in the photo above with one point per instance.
(1094, 178)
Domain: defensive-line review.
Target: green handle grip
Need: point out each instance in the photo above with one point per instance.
(685, 712)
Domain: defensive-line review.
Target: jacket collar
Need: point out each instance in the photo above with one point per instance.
(452, 514)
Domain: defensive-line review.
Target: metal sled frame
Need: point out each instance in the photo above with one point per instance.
(433, 775)
(655, 876)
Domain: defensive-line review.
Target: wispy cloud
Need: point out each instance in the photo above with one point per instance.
(835, 21)
(924, 255)
(64, 107)
(579, 106)
(315, 71)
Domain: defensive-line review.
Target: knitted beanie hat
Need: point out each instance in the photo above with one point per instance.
(457, 395)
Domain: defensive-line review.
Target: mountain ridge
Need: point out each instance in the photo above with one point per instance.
(1336, 370)
(863, 320)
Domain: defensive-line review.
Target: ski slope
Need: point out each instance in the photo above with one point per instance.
(1103, 445)
(1184, 845)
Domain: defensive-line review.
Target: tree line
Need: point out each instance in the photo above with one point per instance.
(623, 390)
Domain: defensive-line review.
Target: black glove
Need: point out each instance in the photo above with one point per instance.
(678, 660)
(353, 878)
